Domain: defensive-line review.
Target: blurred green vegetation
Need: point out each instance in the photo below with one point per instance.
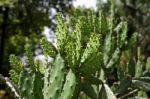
(22, 22)
(137, 15)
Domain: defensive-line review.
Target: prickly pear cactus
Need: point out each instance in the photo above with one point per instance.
(31, 80)
(83, 59)
(26, 84)
(54, 82)
(69, 86)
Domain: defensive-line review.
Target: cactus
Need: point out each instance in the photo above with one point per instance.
(55, 80)
(69, 86)
(31, 84)
(38, 85)
(83, 61)
(91, 56)
(17, 67)
(75, 55)
(48, 48)
(26, 84)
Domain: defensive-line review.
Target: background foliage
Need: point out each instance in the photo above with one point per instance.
(22, 22)
(136, 13)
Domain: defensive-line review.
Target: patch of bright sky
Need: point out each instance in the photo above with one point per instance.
(85, 3)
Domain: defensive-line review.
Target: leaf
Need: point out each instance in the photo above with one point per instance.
(91, 59)
(107, 49)
(48, 48)
(38, 86)
(61, 33)
(131, 67)
(143, 84)
(146, 79)
(69, 86)
(16, 68)
(92, 47)
(138, 69)
(30, 57)
(123, 34)
(56, 79)
(146, 73)
(93, 80)
(89, 90)
(103, 25)
(46, 81)
(132, 40)
(15, 63)
(120, 72)
(26, 84)
(106, 93)
(124, 84)
(73, 47)
(114, 58)
(91, 65)
(101, 74)
(148, 64)
(14, 76)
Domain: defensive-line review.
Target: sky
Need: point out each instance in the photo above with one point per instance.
(85, 3)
